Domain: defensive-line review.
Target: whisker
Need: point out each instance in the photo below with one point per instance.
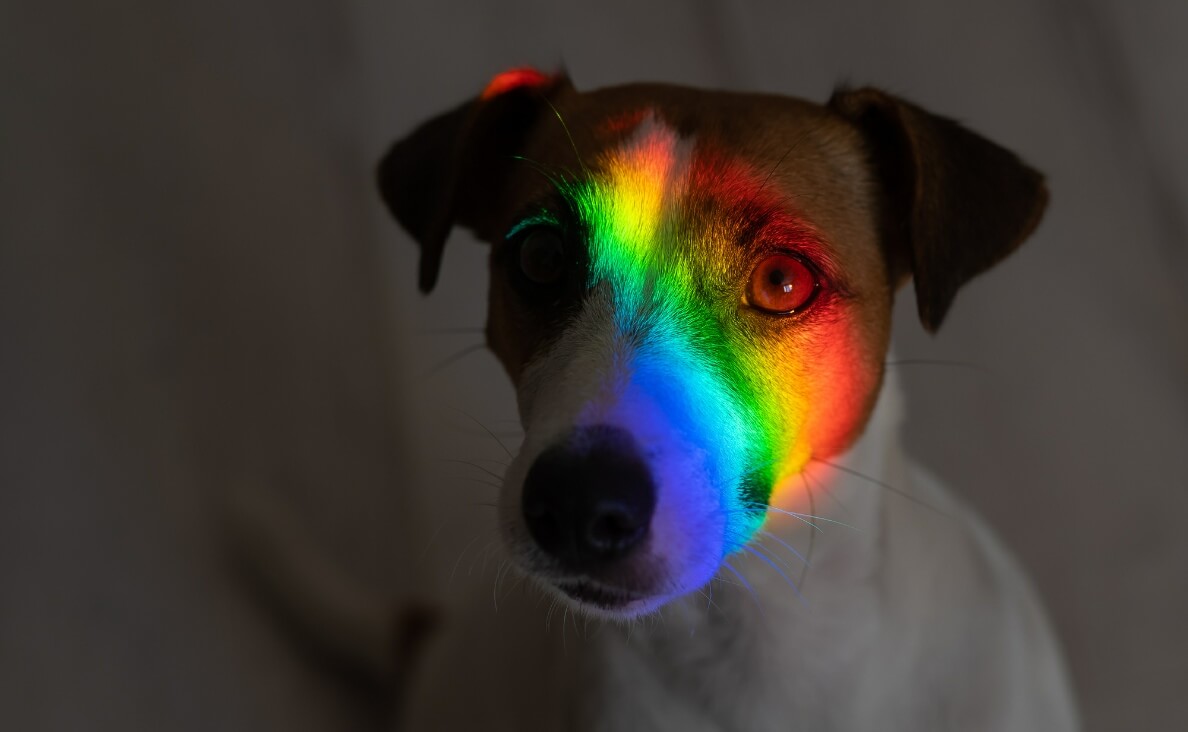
(937, 362)
(472, 479)
(484, 555)
(451, 330)
(768, 552)
(576, 631)
(515, 430)
(504, 566)
(518, 584)
(755, 552)
(786, 545)
(425, 549)
(747, 585)
(490, 460)
(458, 561)
(817, 517)
(725, 581)
(709, 597)
(812, 537)
(485, 429)
(738, 538)
(473, 432)
(771, 172)
(549, 614)
(538, 167)
(796, 516)
(801, 516)
(473, 348)
(491, 473)
(767, 179)
(881, 484)
(835, 495)
(572, 144)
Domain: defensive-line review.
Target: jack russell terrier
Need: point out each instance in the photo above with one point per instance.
(692, 293)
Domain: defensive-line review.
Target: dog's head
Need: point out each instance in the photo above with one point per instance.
(692, 292)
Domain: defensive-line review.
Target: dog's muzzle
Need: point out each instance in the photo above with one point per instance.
(588, 501)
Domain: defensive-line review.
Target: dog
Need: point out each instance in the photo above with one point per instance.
(692, 293)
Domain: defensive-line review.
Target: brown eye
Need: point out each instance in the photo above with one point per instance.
(781, 284)
(542, 256)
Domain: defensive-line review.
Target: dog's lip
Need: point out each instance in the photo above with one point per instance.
(597, 594)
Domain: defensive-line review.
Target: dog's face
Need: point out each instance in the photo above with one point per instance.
(687, 324)
(692, 294)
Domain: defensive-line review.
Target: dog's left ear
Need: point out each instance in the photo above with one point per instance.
(954, 203)
(450, 169)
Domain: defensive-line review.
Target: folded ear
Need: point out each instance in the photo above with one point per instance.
(446, 171)
(954, 203)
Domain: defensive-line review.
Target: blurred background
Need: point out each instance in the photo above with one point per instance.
(199, 288)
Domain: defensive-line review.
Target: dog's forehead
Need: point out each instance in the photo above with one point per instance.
(798, 151)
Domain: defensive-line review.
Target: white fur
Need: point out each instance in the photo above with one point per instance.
(588, 378)
(910, 618)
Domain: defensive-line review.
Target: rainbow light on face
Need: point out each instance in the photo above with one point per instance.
(657, 239)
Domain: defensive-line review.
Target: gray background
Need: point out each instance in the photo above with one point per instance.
(199, 288)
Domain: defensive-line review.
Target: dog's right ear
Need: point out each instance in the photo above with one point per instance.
(450, 168)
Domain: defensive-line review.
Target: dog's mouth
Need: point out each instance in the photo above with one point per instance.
(603, 597)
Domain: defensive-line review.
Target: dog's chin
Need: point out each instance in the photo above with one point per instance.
(601, 600)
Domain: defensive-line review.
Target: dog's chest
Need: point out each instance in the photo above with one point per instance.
(907, 619)
(770, 657)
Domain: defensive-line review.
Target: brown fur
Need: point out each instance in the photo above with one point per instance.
(871, 173)
(868, 189)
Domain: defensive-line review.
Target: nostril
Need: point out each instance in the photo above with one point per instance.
(589, 499)
(544, 530)
(542, 520)
(613, 529)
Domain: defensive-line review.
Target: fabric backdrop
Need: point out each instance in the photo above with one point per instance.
(199, 287)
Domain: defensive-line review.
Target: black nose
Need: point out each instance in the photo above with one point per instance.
(589, 500)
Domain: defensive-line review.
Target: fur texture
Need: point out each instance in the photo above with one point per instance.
(633, 233)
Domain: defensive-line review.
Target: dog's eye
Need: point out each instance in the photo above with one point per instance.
(781, 284)
(542, 255)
